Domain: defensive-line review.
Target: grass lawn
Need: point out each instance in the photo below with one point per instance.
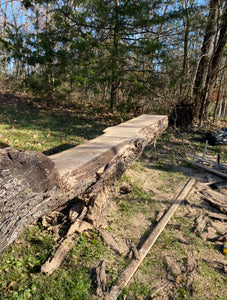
(153, 181)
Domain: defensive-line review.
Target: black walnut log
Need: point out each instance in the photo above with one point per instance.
(32, 184)
(28, 183)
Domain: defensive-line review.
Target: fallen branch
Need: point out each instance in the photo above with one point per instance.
(125, 277)
(78, 226)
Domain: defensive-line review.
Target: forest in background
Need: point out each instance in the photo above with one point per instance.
(159, 56)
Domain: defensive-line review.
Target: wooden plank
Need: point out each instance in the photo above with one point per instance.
(102, 149)
(211, 170)
(32, 184)
(219, 165)
(128, 273)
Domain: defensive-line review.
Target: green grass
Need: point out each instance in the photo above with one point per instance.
(52, 130)
(42, 128)
(20, 268)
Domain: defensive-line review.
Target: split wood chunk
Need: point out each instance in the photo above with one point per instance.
(221, 238)
(216, 216)
(200, 224)
(216, 199)
(33, 185)
(101, 279)
(111, 242)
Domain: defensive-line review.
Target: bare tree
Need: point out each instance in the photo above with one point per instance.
(210, 59)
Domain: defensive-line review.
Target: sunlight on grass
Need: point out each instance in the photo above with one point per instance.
(151, 177)
(41, 130)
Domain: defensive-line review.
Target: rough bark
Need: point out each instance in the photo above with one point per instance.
(115, 58)
(217, 58)
(28, 182)
(199, 88)
(32, 185)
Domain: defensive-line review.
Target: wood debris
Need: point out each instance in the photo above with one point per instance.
(128, 273)
(217, 264)
(78, 226)
(200, 224)
(216, 199)
(217, 216)
(111, 242)
(101, 279)
(209, 166)
(133, 251)
(220, 238)
(182, 239)
(172, 266)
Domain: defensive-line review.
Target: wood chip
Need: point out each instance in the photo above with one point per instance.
(111, 242)
(182, 239)
(101, 279)
(200, 224)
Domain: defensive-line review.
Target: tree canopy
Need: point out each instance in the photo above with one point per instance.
(157, 54)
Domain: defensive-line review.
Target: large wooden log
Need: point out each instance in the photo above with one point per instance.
(32, 184)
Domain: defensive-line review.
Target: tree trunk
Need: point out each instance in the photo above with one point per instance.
(219, 99)
(32, 184)
(217, 58)
(199, 89)
(222, 109)
(186, 22)
(114, 67)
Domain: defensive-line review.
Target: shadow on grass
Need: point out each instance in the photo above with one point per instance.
(58, 149)
(57, 129)
(3, 145)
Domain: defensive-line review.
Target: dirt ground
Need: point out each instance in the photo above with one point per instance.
(186, 262)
